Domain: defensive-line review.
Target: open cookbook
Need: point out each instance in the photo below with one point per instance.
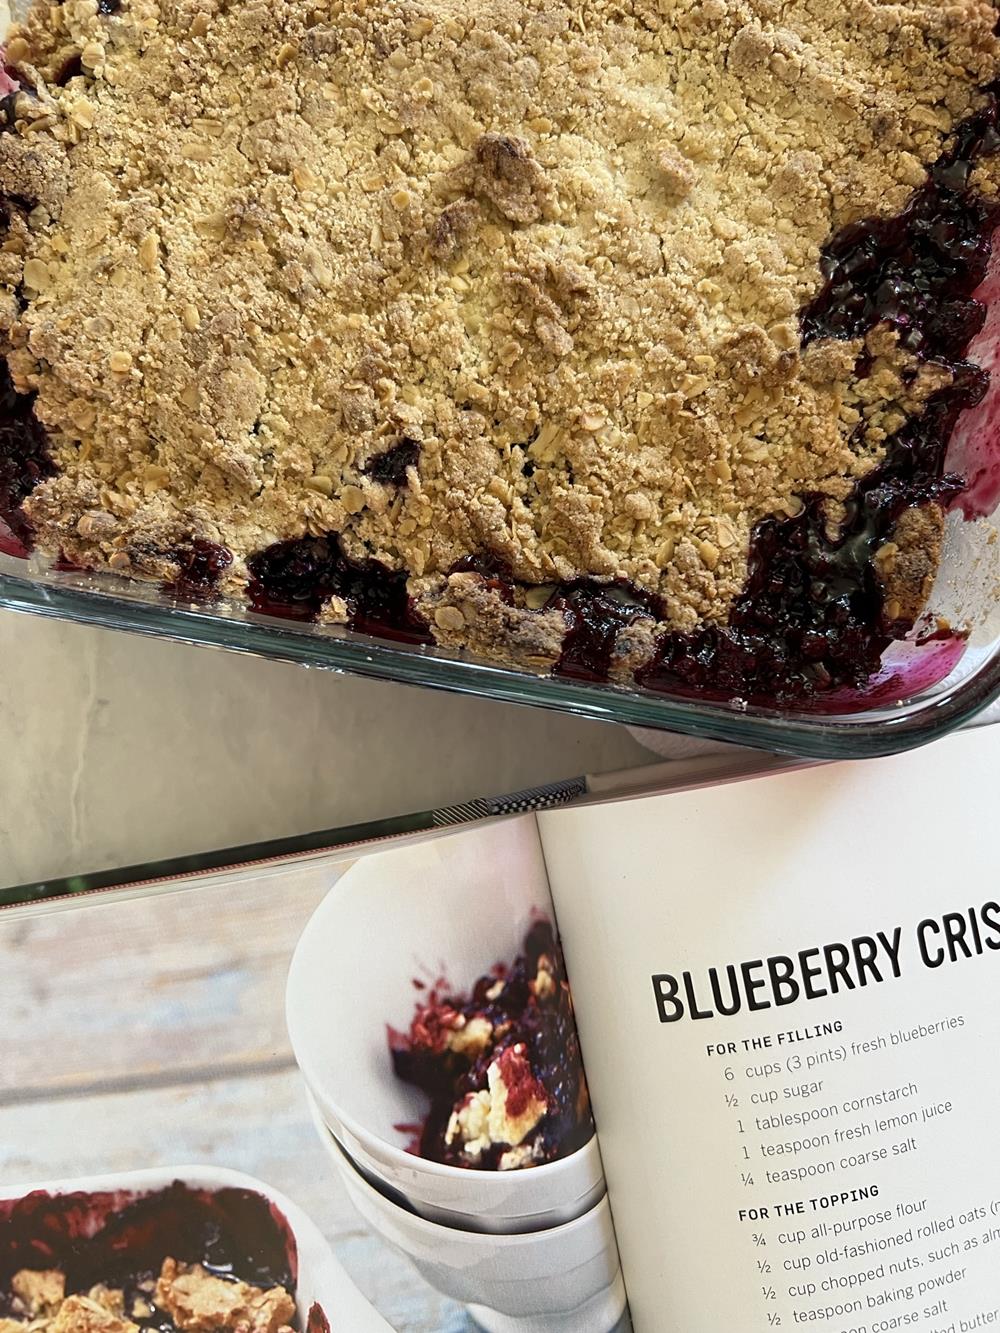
(720, 1058)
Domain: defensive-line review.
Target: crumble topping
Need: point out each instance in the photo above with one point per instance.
(185, 1297)
(95, 1313)
(40, 1292)
(499, 277)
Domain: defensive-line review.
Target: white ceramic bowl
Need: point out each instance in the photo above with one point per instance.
(399, 1182)
(320, 1279)
(564, 1280)
(450, 908)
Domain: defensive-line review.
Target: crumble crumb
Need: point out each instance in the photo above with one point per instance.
(199, 1302)
(908, 563)
(81, 1314)
(41, 1291)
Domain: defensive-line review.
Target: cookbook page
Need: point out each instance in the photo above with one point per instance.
(786, 991)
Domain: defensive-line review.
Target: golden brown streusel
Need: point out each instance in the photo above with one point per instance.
(560, 245)
(195, 1301)
(199, 1302)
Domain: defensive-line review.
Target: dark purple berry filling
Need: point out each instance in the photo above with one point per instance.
(811, 617)
(120, 1238)
(72, 67)
(24, 457)
(539, 1026)
(917, 271)
(202, 565)
(595, 613)
(390, 467)
(8, 111)
(293, 579)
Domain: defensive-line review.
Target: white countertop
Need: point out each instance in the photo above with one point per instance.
(117, 749)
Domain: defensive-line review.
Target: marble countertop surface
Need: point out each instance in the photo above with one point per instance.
(115, 749)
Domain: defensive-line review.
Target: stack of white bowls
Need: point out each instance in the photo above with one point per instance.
(528, 1251)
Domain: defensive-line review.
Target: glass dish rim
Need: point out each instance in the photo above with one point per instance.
(144, 609)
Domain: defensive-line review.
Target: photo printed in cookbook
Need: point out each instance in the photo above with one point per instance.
(443, 1067)
(790, 1025)
(165, 1167)
(500, 1065)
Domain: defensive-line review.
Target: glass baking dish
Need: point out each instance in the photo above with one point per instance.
(908, 706)
(919, 697)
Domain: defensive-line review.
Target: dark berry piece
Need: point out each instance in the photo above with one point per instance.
(202, 564)
(294, 578)
(71, 69)
(24, 455)
(390, 467)
(8, 110)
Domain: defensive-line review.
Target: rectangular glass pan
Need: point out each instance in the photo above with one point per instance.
(905, 715)
(901, 716)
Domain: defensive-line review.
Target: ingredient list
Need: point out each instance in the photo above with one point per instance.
(861, 1193)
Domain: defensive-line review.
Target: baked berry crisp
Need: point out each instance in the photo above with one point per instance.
(500, 1066)
(620, 339)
